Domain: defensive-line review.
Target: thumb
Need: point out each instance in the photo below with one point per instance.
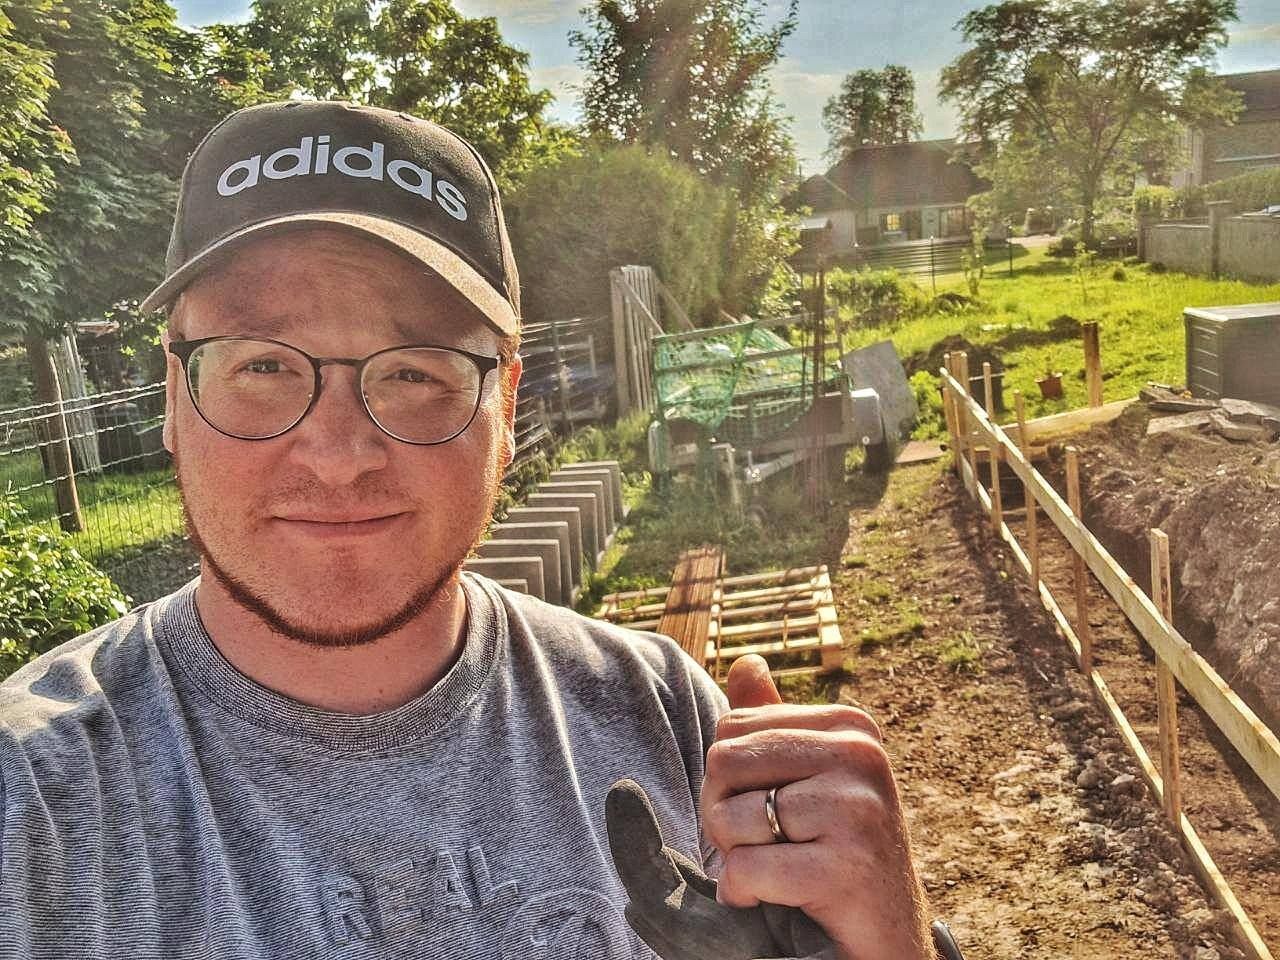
(749, 683)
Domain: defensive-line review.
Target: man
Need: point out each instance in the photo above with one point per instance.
(331, 744)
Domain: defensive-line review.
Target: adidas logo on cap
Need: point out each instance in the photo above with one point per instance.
(312, 157)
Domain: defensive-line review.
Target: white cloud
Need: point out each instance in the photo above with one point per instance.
(801, 94)
(1261, 33)
(562, 80)
(519, 11)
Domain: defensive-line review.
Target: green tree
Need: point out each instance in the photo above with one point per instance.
(574, 219)
(689, 78)
(132, 95)
(873, 107)
(1089, 89)
(419, 56)
(31, 146)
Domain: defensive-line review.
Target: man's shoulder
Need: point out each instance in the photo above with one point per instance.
(69, 687)
(563, 630)
(579, 643)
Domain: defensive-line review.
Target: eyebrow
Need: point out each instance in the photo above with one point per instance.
(275, 326)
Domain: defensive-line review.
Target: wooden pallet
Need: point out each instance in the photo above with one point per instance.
(786, 616)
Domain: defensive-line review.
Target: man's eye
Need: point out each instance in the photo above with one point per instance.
(411, 376)
(264, 365)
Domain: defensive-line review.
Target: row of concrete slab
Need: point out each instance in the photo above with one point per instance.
(563, 528)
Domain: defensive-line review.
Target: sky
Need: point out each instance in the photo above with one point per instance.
(832, 38)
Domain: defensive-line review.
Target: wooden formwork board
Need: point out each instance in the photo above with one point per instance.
(783, 615)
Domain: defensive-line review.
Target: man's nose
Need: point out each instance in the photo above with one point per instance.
(338, 441)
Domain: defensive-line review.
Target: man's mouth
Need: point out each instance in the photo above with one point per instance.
(340, 525)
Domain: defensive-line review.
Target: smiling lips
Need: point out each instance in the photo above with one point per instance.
(338, 526)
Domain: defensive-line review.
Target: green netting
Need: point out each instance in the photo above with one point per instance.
(740, 382)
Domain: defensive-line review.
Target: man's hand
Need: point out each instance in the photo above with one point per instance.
(848, 863)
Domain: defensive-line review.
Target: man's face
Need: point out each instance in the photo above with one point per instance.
(334, 295)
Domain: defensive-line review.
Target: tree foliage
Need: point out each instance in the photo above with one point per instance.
(574, 220)
(872, 107)
(1092, 90)
(419, 56)
(133, 93)
(688, 78)
(31, 146)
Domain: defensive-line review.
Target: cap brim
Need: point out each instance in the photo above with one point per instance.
(495, 309)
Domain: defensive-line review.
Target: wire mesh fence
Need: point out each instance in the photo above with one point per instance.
(119, 502)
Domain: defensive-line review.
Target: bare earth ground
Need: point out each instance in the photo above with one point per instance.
(1031, 826)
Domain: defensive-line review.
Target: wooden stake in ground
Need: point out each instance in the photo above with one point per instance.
(1033, 533)
(949, 412)
(997, 508)
(1079, 575)
(1092, 363)
(1166, 688)
(970, 443)
(53, 433)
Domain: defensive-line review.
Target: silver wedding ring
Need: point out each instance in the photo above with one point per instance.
(771, 811)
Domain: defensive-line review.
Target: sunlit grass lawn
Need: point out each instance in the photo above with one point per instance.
(1139, 317)
(124, 513)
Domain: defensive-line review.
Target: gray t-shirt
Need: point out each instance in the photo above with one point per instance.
(159, 803)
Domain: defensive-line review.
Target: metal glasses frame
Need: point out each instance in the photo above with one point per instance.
(183, 349)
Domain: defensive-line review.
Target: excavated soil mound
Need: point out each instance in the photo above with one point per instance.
(1219, 502)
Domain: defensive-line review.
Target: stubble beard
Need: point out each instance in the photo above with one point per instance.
(347, 636)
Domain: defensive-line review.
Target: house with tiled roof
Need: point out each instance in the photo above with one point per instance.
(1253, 141)
(896, 192)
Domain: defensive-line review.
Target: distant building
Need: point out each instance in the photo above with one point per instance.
(1252, 142)
(903, 191)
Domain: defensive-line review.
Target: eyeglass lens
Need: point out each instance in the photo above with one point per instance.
(255, 389)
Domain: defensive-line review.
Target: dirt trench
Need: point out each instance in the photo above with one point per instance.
(1219, 502)
(1032, 828)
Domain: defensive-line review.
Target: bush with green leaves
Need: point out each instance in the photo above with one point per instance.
(876, 297)
(575, 219)
(48, 592)
(1248, 191)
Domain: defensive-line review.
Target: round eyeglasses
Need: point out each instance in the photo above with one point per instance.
(256, 389)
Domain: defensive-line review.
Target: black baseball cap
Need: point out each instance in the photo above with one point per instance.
(388, 176)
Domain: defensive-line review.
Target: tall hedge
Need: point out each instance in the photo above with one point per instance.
(573, 220)
(1249, 191)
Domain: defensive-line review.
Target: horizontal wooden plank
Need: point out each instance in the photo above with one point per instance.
(1256, 743)
(1201, 860)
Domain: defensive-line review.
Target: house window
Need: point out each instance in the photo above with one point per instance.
(891, 222)
(954, 221)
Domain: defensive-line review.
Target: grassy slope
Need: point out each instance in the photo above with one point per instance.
(1140, 319)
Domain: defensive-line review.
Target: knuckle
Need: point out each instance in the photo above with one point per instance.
(850, 717)
(861, 752)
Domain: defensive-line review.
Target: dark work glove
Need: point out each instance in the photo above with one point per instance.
(673, 903)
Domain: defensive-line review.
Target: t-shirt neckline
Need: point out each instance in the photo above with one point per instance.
(193, 654)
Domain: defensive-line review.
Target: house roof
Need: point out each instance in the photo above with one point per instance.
(1261, 90)
(905, 175)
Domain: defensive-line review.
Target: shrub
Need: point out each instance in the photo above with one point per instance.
(1157, 267)
(1248, 191)
(48, 592)
(1062, 247)
(1156, 200)
(1119, 274)
(876, 296)
(574, 219)
(930, 419)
